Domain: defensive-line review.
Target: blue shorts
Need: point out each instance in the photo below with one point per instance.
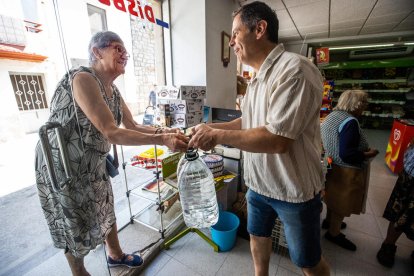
(301, 222)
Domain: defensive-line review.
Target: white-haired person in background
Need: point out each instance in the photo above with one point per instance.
(346, 183)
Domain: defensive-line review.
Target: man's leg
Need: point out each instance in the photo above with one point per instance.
(261, 248)
(260, 221)
(76, 265)
(322, 269)
(301, 223)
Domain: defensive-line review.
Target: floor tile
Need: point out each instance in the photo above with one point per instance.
(175, 247)
(173, 267)
(156, 264)
(356, 267)
(198, 255)
(365, 223)
(240, 262)
(378, 198)
(281, 271)
(286, 263)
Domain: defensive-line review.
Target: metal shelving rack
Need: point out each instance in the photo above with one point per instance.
(152, 215)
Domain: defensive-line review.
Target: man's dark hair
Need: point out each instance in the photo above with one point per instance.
(252, 13)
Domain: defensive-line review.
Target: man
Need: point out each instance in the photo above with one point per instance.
(279, 133)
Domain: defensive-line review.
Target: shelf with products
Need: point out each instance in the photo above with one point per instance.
(326, 106)
(335, 100)
(387, 87)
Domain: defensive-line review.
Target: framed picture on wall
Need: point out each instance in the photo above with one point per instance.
(225, 48)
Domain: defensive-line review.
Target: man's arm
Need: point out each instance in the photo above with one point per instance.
(232, 125)
(251, 140)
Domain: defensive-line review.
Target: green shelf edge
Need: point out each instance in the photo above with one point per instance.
(385, 63)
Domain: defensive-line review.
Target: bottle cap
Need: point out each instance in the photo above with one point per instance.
(191, 154)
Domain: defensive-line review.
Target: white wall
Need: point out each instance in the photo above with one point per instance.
(13, 123)
(188, 35)
(221, 81)
(196, 28)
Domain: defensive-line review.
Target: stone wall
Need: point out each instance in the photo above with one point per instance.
(143, 57)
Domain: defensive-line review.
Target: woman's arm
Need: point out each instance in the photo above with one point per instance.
(88, 97)
(349, 139)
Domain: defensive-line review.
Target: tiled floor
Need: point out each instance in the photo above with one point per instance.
(192, 256)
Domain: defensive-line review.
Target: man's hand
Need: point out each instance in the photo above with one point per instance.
(203, 137)
(175, 141)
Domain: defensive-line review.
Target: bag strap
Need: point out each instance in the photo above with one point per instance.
(115, 162)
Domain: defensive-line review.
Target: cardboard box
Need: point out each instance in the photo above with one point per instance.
(195, 105)
(167, 92)
(183, 106)
(186, 120)
(401, 134)
(162, 116)
(192, 92)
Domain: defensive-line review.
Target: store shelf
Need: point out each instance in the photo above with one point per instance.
(150, 218)
(401, 90)
(400, 80)
(167, 193)
(381, 63)
(383, 115)
(146, 192)
(386, 102)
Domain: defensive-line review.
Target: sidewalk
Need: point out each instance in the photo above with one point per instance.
(17, 164)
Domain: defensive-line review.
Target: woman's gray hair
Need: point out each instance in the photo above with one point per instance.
(101, 40)
(352, 100)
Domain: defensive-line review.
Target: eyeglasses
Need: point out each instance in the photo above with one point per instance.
(120, 50)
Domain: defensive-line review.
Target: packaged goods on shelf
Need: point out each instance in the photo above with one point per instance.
(215, 163)
(188, 92)
(183, 106)
(168, 92)
(186, 120)
(147, 159)
(163, 115)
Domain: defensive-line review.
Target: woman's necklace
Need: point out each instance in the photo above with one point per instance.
(105, 88)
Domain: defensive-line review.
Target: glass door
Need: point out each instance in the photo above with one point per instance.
(40, 42)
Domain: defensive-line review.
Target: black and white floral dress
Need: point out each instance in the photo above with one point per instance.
(81, 215)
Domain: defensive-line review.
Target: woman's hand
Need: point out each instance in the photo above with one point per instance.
(175, 141)
(171, 130)
(371, 153)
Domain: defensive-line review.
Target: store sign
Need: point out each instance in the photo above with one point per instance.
(134, 8)
(322, 56)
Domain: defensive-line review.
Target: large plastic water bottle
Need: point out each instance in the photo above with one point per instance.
(197, 192)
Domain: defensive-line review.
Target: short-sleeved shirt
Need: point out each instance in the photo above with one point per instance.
(285, 97)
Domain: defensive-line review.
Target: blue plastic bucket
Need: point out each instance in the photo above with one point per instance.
(224, 232)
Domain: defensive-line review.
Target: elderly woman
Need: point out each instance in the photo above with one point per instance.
(346, 184)
(90, 109)
(400, 211)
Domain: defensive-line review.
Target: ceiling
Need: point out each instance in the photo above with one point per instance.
(339, 22)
